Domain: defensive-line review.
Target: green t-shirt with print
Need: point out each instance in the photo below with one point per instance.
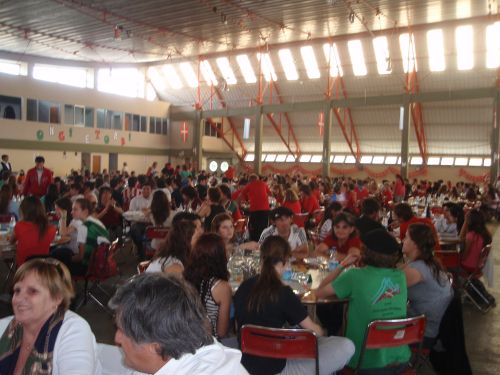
(374, 293)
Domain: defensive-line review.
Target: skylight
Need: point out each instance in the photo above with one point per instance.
(250, 157)
(465, 47)
(378, 160)
(150, 92)
(493, 46)
(288, 64)
(350, 159)
(267, 67)
(332, 58)
(305, 158)
(208, 73)
(408, 54)
(381, 49)
(226, 71)
(316, 159)
(435, 48)
(119, 81)
(339, 159)
(447, 161)
(280, 158)
(270, 158)
(156, 79)
(309, 59)
(189, 75)
(357, 57)
(391, 160)
(246, 68)
(433, 160)
(475, 162)
(172, 77)
(290, 159)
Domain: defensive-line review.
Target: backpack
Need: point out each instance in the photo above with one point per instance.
(102, 263)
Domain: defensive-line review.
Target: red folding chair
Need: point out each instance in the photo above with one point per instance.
(382, 334)
(152, 233)
(300, 219)
(449, 258)
(470, 289)
(279, 343)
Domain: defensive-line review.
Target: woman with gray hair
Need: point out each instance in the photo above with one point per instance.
(180, 344)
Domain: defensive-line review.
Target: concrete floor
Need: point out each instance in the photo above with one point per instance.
(482, 331)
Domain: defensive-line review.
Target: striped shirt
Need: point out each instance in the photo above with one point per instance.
(296, 238)
(210, 305)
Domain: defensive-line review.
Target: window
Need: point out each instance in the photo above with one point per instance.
(78, 115)
(475, 162)
(246, 68)
(338, 159)
(156, 79)
(13, 67)
(189, 75)
(378, 160)
(305, 158)
(290, 159)
(250, 157)
(107, 119)
(43, 111)
(381, 49)
(224, 166)
(416, 160)
(263, 157)
(316, 159)
(309, 59)
(10, 107)
(267, 66)
(288, 64)
(226, 71)
(211, 128)
(77, 77)
(121, 81)
(493, 46)
(213, 166)
(435, 48)
(465, 48)
(150, 92)
(461, 161)
(433, 160)
(447, 161)
(350, 159)
(357, 57)
(332, 58)
(408, 54)
(208, 73)
(366, 159)
(158, 125)
(270, 158)
(391, 160)
(280, 158)
(487, 162)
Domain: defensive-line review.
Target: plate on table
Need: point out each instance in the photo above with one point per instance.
(314, 261)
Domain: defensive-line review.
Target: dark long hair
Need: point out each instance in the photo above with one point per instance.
(477, 223)
(51, 197)
(65, 204)
(423, 237)
(160, 209)
(207, 260)
(266, 290)
(178, 244)
(347, 218)
(5, 197)
(32, 211)
(331, 208)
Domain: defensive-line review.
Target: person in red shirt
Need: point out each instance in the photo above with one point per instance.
(362, 192)
(256, 193)
(343, 237)
(38, 179)
(292, 201)
(33, 234)
(404, 217)
(399, 189)
(309, 202)
(315, 190)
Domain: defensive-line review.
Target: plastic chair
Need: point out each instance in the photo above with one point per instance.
(300, 219)
(382, 334)
(318, 215)
(279, 343)
(152, 233)
(471, 289)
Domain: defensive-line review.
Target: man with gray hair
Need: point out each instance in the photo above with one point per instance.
(163, 329)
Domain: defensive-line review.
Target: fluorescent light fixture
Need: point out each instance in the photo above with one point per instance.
(250, 157)
(280, 158)
(156, 79)
(270, 158)
(433, 160)
(378, 159)
(357, 57)
(391, 160)
(189, 75)
(366, 159)
(475, 162)
(10, 68)
(493, 46)
(416, 160)
(339, 159)
(381, 48)
(309, 59)
(246, 68)
(288, 64)
(305, 158)
(332, 58)
(150, 92)
(290, 159)
(487, 162)
(316, 159)
(408, 54)
(226, 71)
(263, 157)
(172, 77)
(435, 48)
(208, 73)
(447, 161)
(461, 161)
(267, 67)
(465, 47)
(350, 159)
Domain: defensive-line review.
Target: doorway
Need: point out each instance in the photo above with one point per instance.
(85, 162)
(96, 163)
(113, 162)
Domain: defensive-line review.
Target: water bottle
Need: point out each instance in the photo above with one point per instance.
(332, 260)
(287, 273)
(12, 224)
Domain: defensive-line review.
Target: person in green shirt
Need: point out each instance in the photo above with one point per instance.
(377, 290)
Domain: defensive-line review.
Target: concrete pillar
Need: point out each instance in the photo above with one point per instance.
(259, 129)
(405, 139)
(327, 142)
(495, 142)
(198, 128)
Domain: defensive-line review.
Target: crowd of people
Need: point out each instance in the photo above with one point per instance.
(384, 245)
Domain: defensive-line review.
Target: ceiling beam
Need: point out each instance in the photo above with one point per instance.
(222, 136)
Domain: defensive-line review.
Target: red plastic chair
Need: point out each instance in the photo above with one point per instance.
(300, 219)
(279, 343)
(382, 334)
(153, 232)
(449, 258)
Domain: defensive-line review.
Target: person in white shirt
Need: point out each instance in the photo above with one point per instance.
(142, 203)
(451, 221)
(282, 226)
(180, 344)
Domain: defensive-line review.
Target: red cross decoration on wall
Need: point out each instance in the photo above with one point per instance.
(321, 123)
(184, 131)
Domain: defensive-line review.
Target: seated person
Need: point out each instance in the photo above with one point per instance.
(429, 288)
(160, 215)
(110, 213)
(222, 224)
(451, 221)
(264, 300)
(403, 217)
(229, 205)
(282, 226)
(32, 234)
(181, 344)
(375, 291)
(308, 201)
(369, 219)
(142, 203)
(327, 221)
(43, 336)
(292, 201)
(211, 207)
(344, 238)
(475, 236)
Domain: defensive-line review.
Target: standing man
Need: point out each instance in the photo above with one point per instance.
(38, 179)
(5, 164)
(256, 193)
(152, 170)
(142, 203)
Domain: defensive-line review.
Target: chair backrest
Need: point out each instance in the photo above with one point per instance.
(102, 264)
(5, 219)
(382, 334)
(278, 343)
(156, 232)
(240, 225)
(300, 219)
(318, 215)
(483, 257)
